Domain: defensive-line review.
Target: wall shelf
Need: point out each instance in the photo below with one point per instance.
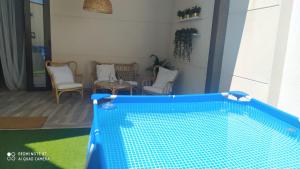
(191, 19)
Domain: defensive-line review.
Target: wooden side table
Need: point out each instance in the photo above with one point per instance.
(112, 86)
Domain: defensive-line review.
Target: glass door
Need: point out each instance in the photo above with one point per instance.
(37, 21)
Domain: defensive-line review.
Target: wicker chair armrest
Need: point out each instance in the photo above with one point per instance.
(78, 78)
(148, 81)
(168, 87)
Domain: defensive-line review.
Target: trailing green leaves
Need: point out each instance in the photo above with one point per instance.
(183, 43)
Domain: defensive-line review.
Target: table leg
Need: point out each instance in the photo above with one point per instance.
(130, 90)
(113, 91)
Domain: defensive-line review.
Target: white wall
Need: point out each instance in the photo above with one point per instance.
(289, 99)
(253, 66)
(268, 58)
(192, 75)
(136, 29)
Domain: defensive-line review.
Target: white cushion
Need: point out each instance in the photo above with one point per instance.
(164, 76)
(153, 89)
(68, 85)
(106, 71)
(61, 74)
(132, 83)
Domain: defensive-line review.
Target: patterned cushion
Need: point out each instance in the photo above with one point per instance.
(104, 72)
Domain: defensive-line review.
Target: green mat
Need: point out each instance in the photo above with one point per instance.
(43, 148)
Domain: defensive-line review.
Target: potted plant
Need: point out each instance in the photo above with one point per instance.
(196, 11)
(157, 62)
(190, 12)
(187, 13)
(180, 14)
(193, 11)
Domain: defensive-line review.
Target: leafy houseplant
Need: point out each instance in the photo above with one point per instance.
(187, 13)
(183, 43)
(196, 11)
(157, 62)
(180, 14)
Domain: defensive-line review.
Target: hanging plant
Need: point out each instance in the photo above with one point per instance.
(183, 43)
(177, 44)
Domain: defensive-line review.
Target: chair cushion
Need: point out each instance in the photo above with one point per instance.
(61, 74)
(97, 81)
(105, 71)
(164, 76)
(132, 83)
(68, 85)
(153, 89)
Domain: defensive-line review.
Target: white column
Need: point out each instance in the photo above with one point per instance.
(289, 97)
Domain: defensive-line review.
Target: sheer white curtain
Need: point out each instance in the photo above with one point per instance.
(12, 43)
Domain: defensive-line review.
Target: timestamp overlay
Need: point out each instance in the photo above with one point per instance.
(27, 156)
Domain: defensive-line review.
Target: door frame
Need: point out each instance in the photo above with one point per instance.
(28, 44)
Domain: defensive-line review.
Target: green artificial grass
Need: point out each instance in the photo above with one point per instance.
(60, 148)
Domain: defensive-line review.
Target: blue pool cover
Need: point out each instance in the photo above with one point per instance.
(229, 130)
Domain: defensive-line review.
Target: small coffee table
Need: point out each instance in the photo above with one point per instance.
(112, 86)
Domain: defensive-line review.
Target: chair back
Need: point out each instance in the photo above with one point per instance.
(123, 71)
(156, 72)
(71, 64)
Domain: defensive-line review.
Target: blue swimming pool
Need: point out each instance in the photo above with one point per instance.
(228, 130)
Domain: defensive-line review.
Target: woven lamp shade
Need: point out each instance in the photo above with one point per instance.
(101, 6)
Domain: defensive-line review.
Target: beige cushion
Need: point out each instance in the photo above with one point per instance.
(153, 89)
(132, 83)
(164, 76)
(68, 85)
(104, 72)
(61, 74)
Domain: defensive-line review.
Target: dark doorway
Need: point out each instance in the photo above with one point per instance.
(2, 81)
(38, 49)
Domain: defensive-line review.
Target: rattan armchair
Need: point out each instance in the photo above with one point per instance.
(167, 88)
(59, 88)
(126, 72)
